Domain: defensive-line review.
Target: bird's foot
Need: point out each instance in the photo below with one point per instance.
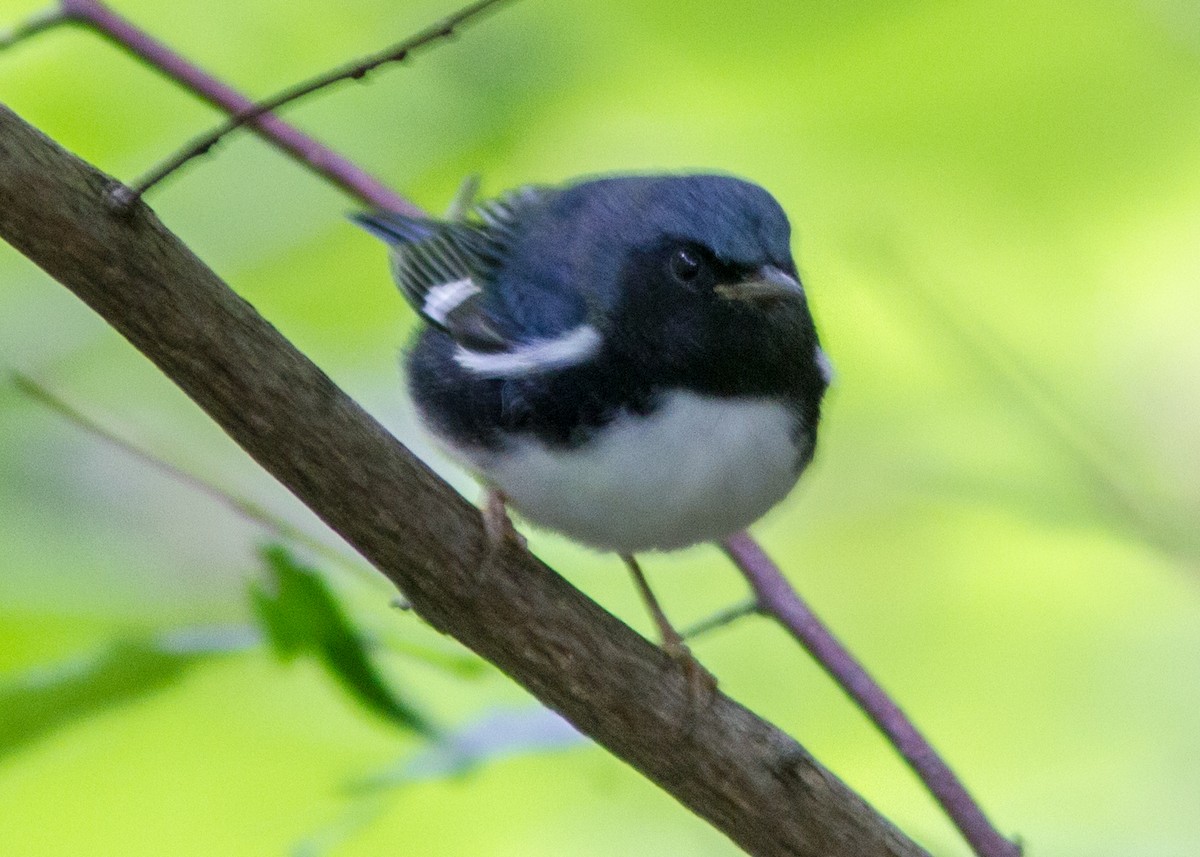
(497, 525)
(701, 684)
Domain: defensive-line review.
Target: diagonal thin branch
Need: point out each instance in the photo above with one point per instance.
(334, 167)
(241, 506)
(777, 598)
(358, 70)
(723, 618)
(39, 22)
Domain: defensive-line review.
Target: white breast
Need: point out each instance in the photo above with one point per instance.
(697, 469)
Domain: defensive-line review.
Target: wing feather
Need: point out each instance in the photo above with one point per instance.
(444, 268)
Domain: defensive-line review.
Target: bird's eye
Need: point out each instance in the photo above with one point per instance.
(685, 265)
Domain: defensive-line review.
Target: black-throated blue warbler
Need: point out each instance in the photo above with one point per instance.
(629, 361)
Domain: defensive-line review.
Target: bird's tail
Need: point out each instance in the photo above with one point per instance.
(394, 228)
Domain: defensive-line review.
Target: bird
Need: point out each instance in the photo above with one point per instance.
(627, 360)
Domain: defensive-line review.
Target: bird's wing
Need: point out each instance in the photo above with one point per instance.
(444, 268)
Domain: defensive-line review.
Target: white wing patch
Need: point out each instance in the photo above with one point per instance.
(442, 300)
(529, 358)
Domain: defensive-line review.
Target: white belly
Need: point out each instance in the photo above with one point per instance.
(698, 469)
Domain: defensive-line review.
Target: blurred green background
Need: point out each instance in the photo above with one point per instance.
(997, 215)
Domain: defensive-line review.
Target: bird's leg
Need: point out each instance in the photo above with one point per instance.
(701, 684)
(496, 523)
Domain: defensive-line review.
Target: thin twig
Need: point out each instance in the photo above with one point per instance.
(34, 24)
(399, 52)
(241, 506)
(335, 168)
(719, 620)
(778, 599)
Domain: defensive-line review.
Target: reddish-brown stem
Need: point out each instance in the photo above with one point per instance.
(358, 70)
(316, 156)
(777, 598)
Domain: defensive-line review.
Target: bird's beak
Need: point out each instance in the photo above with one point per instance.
(767, 284)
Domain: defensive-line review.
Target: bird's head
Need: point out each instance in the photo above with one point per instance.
(707, 230)
(694, 271)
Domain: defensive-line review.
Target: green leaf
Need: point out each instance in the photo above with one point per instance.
(301, 617)
(50, 697)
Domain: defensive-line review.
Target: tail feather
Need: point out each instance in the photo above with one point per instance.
(393, 228)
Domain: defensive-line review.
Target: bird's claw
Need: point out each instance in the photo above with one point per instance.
(701, 684)
(497, 525)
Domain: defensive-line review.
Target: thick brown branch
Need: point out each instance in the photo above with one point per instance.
(739, 772)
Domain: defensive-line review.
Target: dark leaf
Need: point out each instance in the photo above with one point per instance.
(301, 616)
(53, 696)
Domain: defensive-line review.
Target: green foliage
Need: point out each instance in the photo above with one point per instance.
(42, 700)
(300, 616)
